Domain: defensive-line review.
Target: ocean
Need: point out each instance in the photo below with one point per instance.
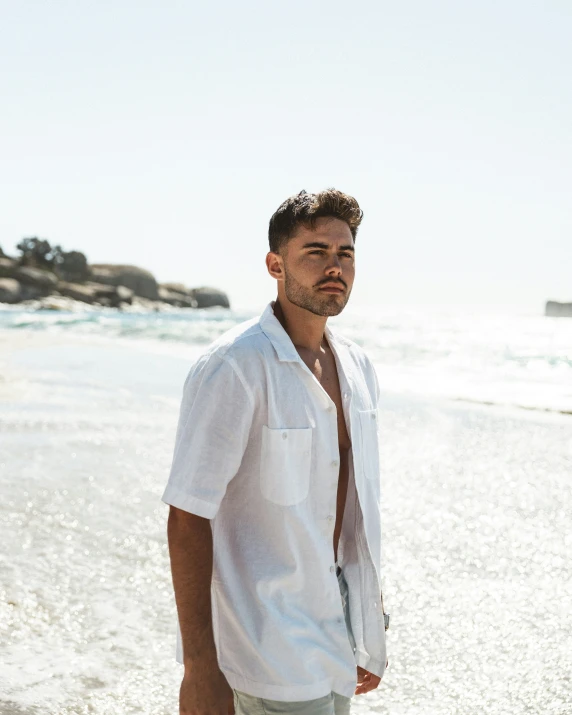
(476, 444)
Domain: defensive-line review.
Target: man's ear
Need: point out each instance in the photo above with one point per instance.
(275, 265)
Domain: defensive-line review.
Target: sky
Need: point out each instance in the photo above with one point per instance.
(165, 134)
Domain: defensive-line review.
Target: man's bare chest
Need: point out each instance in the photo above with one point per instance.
(325, 371)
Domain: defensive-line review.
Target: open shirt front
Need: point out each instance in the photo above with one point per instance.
(256, 452)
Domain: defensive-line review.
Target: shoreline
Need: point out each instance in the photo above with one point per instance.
(27, 341)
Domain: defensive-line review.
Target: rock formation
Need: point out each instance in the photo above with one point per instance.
(49, 278)
(140, 281)
(559, 310)
(208, 297)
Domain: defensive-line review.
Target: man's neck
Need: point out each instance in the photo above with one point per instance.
(305, 329)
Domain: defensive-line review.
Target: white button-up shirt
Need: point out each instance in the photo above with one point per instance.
(256, 451)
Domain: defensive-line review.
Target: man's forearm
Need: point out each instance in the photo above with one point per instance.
(191, 553)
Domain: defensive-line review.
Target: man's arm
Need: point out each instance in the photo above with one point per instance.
(204, 688)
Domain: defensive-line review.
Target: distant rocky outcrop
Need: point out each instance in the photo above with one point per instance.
(90, 292)
(47, 277)
(179, 296)
(558, 310)
(24, 282)
(140, 281)
(74, 267)
(209, 297)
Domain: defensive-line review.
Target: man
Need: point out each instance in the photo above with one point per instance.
(274, 524)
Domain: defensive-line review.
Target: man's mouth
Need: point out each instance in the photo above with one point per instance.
(332, 288)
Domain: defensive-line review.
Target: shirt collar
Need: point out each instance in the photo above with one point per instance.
(280, 339)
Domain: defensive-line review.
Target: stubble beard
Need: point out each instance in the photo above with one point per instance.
(326, 304)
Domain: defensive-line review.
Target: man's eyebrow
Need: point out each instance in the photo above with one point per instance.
(317, 244)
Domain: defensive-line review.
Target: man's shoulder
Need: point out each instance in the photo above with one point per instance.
(238, 344)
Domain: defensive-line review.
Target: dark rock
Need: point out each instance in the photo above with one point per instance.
(33, 282)
(104, 302)
(558, 310)
(78, 292)
(101, 290)
(10, 290)
(124, 295)
(73, 267)
(177, 299)
(36, 277)
(177, 288)
(14, 291)
(96, 293)
(140, 281)
(8, 267)
(209, 297)
(30, 291)
(113, 296)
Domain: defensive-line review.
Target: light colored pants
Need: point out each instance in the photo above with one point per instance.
(331, 704)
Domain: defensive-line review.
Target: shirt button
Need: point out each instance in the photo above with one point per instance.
(332, 569)
(373, 415)
(284, 435)
(330, 408)
(334, 463)
(330, 517)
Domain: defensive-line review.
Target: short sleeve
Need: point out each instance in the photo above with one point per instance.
(212, 433)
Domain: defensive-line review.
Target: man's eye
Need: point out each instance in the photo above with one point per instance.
(347, 255)
(316, 251)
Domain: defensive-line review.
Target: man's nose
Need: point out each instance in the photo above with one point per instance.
(334, 265)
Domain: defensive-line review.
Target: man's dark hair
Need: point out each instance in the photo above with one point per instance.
(304, 209)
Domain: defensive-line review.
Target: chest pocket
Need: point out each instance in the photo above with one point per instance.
(369, 429)
(285, 464)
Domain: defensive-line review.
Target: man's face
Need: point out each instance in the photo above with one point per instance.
(319, 267)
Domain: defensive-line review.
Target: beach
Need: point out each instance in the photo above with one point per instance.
(477, 500)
